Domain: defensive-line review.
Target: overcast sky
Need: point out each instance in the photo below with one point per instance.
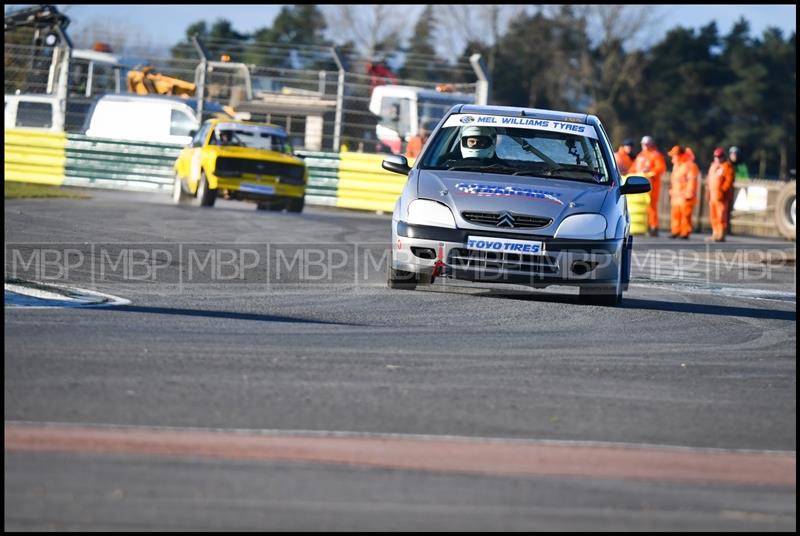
(157, 25)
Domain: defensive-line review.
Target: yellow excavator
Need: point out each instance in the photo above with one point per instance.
(145, 81)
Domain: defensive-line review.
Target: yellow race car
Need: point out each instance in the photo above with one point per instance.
(240, 160)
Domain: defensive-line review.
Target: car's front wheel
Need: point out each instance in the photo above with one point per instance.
(179, 196)
(601, 296)
(206, 196)
(610, 295)
(402, 280)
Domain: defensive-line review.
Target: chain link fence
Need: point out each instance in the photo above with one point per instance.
(300, 88)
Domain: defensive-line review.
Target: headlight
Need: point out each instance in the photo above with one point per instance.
(425, 212)
(582, 227)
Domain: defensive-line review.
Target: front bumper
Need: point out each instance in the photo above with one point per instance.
(418, 248)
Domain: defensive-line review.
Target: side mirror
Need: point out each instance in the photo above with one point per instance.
(192, 133)
(397, 164)
(635, 185)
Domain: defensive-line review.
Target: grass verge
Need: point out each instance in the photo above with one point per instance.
(22, 190)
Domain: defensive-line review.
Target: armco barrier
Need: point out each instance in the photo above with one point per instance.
(34, 156)
(119, 164)
(365, 185)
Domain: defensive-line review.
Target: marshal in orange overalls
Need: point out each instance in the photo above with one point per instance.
(624, 160)
(720, 182)
(683, 190)
(650, 163)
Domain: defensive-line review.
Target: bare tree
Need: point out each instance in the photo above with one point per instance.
(372, 27)
(631, 25)
(462, 24)
(119, 35)
(613, 68)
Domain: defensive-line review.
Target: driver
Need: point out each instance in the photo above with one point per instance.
(225, 137)
(478, 142)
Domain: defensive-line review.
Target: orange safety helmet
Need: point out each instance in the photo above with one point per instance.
(720, 152)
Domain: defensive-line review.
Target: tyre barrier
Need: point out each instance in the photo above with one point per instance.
(764, 208)
(785, 211)
(34, 156)
(365, 185)
(637, 208)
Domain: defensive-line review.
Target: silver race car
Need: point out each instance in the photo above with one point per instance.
(514, 195)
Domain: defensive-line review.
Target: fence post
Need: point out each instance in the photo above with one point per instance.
(484, 79)
(201, 83)
(62, 90)
(337, 126)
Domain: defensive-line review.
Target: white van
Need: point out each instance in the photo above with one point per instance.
(157, 119)
(41, 112)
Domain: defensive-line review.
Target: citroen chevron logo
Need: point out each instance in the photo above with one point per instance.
(506, 219)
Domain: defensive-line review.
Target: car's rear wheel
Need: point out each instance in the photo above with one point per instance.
(206, 197)
(179, 195)
(402, 280)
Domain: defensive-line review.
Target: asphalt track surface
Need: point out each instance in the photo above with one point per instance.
(262, 359)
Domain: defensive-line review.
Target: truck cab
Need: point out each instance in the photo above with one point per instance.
(402, 109)
(94, 72)
(40, 112)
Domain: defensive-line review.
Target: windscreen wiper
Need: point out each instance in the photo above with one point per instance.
(528, 148)
(551, 171)
(493, 168)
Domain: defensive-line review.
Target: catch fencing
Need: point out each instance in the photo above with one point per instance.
(321, 97)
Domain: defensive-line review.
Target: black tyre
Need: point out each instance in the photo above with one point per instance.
(402, 280)
(296, 204)
(179, 195)
(273, 205)
(605, 295)
(601, 296)
(206, 197)
(785, 211)
(627, 255)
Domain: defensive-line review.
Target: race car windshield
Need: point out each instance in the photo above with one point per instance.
(251, 138)
(517, 151)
